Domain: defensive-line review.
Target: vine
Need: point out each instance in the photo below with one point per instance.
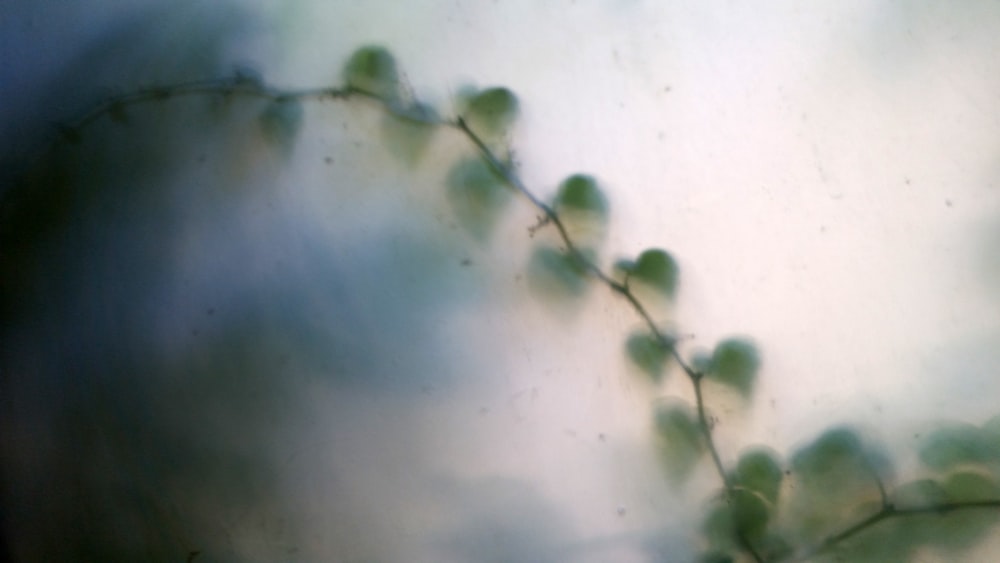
(840, 505)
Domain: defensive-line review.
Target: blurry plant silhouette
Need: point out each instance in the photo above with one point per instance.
(834, 499)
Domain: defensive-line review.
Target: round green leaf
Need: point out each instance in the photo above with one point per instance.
(758, 470)
(735, 363)
(580, 192)
(919, 494)
(680, 440)
(648, 352)
(751, 512)
(583, 209)
(478, 195)
(491, 111)
(958, 444)
(658, 269)
(971, 486)
(557, 273)
(832, 447)
(372, 69)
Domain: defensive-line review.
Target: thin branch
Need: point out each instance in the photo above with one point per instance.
(887, 512)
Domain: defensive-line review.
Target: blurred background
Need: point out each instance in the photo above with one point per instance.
(213, 348)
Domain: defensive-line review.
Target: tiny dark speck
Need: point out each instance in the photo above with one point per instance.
(466, 262)
(328, 160)
(947, 202)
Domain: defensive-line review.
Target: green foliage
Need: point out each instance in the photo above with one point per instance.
(970, 486)
(492, 111)
(735, 363)
(959, 444)
(680, 440)
(833, 480)
(372, 69)
(280, 122)
(737, 516)
(758, 470)
(478, 195)
(649, 352)
(655, 268)
(919, 494)
(557, 273)
(836, 461)
(407, 130)
(583, 209)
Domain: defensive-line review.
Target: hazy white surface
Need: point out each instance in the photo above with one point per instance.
(827, 178)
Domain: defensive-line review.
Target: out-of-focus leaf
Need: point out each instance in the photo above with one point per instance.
(743, 513)
(280, 122)
(971, 486)
(832, 448)
(919, 494)
(373, 69)
(580, 192)
(583, 209)
(478, 195)
(759, 470)
(959, 444)
(959, 530)
(993, 426)
(680, 440)
(557, 273)
(648, 352)
(407, 138)
(491, 111)
(658, 269)
(735, 363)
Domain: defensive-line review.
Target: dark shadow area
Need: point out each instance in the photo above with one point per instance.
(154, 334)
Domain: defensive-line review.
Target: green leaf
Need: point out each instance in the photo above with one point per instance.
(407, 136)
(492, 111)
(580, 192)
(583, 209)
(557, 273)
(971, 486)
(658, 269)
(919, 494)
(751, 512)
(735, 363)
(680, 440)
(742, 513)
(477, 195)
(759, 470)
(648, 352)
(833, 447)
(373, 69)
(958, 444)
(280, 122)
